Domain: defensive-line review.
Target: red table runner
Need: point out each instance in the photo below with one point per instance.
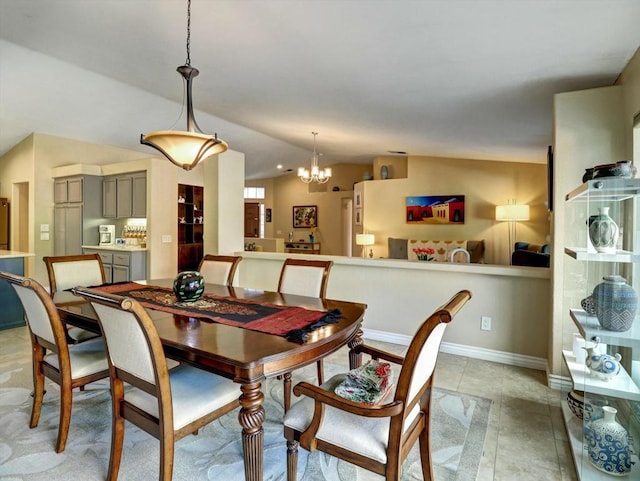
(293, 323)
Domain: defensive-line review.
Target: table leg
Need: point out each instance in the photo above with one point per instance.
(251, 418)
(355, 358)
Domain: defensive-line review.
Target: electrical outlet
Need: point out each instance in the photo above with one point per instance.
(485, 323)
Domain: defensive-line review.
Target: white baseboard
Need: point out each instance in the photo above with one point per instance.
(502, 357)
(561, 383)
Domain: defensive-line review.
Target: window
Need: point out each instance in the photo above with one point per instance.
(254, 192)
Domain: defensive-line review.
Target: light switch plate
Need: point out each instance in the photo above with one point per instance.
(44, 227)
(166, 239)
(44, 236)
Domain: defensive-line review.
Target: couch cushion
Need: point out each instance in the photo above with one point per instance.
(442, 248)
(397, 248)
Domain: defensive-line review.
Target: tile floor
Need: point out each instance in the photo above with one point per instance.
(526, 439)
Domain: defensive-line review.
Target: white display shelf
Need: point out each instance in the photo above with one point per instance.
(590, 327)
(582, 254)
(584, 468)
(621, 386)
(609, 189)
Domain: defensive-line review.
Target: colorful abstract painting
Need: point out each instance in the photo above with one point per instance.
(435, 209)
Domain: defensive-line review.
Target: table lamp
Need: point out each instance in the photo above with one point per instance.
(365, 240)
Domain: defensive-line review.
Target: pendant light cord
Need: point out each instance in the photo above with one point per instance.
(188, 63)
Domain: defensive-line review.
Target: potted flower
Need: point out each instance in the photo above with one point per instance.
(424, 253)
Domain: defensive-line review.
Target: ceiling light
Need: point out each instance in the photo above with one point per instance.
(186, 148)
(315, 175)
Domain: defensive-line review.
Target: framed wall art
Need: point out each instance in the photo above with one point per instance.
(358, 217)
(435, 209)
(267, 215)
(305, 216)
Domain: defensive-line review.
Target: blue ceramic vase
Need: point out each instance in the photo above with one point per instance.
(188, 286)
(616, 303)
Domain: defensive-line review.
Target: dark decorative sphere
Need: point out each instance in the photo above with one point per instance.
(188, 286)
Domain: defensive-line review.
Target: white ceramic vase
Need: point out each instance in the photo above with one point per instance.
(603, 232)
(609, 445)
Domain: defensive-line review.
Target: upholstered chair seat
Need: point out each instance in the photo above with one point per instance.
(194, 393)
(84, 358)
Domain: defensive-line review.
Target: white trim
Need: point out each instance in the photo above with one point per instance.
(561, 383)
(502, 357)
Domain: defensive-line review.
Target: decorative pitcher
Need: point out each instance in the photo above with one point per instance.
(603, 366)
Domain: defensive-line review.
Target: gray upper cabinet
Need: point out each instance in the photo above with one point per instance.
(139, 195)
(109, 198)
(125, 195)
(68, 190)
(123, 200)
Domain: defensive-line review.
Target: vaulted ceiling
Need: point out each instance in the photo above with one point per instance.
(449, 78)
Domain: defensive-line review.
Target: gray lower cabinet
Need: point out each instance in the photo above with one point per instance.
(122, 266)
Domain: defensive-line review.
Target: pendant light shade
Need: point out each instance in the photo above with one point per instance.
(186, 148)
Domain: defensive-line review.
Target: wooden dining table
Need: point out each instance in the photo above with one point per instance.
(247, 357)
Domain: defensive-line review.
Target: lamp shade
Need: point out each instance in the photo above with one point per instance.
(365, 239)
(512, 212)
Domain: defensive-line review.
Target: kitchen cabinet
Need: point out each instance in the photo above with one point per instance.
(190, 226)
(68, 190)
(125, 196)
(584, 268)
(122, 265)
(77, 213)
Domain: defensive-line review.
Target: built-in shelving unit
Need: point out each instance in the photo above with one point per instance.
(190, 226)
(583, 270)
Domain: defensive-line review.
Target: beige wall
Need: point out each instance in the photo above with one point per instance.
(484, 184)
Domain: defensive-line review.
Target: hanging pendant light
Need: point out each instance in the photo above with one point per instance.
(186, 148)
(315, 174)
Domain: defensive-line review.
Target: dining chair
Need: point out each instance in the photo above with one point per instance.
(309, 278)
(378, 437)
(69, 366)
(66, 272)
(166, 404)
(219, 269)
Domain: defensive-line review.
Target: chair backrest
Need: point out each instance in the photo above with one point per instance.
(66, 272)
(134, 349)
(304, 277)
(415, 378)
(41, 313)
(219, 269)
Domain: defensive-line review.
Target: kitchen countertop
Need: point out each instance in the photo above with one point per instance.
(4, 254)
(118, 248)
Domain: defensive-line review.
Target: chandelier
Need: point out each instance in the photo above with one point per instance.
(186, 148)
(315, 175)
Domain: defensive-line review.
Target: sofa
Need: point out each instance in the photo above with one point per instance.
(531, 255)
(403, 248)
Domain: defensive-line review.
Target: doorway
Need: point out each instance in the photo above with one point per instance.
(252, 219)
(347, 226)
(19, 224)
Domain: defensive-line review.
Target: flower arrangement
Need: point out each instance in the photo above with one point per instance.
(424, 253)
